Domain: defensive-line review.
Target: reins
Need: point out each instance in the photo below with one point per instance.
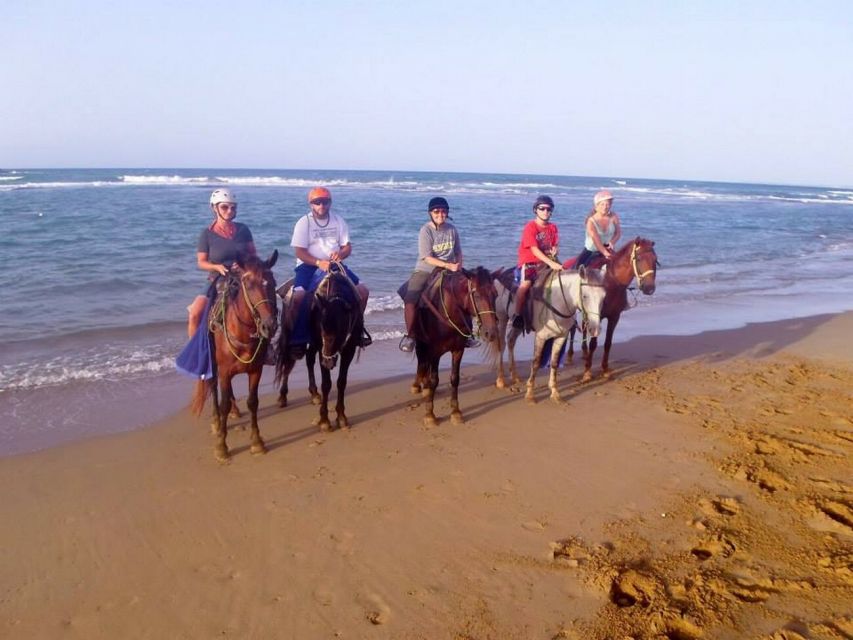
(353, 320)
(444, 313)
(222, 315)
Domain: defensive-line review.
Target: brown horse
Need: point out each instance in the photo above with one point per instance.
(445, 315)
(242, 320)
(336, 324)
(637, 259)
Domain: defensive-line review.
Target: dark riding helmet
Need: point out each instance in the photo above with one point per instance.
(438, 203)
(543, 200)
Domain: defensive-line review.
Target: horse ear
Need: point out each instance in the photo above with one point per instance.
(466, 272)
(272, 259)
(582, 272)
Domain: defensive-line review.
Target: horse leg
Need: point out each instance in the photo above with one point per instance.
(570, 352)
(555, 365)
(513, 370)
(325, 386)
(223, 405)
(346, 359)
(421, 373)
(310, 358)
(500, 382)
(608, 340)
(429, 392)
(538, 345)
(287, 368)
(455, 413)
(252, 403)
(589, 351)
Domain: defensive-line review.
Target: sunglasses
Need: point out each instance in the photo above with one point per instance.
(543, 207)
(321, 201)
(228, 207)
(436, 211)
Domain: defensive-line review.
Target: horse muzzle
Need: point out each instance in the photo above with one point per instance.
(267, 327)
(648, 288)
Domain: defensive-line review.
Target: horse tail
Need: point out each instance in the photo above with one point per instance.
(202, 390)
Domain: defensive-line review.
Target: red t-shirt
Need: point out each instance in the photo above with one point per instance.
(546, 238)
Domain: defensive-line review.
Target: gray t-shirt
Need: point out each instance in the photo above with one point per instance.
(442, 243)
(225, 251)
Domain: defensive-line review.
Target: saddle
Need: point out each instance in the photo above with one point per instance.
(425, 304)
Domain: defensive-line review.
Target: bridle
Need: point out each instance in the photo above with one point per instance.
(635, 253)
(232, 342)
(472, 294)
(328, 299)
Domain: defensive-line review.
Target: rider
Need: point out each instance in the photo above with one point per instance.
(603, 230)
(438, 247)
(539, 241)
(219, 245)
(321, 238)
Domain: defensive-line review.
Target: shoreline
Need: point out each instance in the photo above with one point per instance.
(60, 415)
(703, 491)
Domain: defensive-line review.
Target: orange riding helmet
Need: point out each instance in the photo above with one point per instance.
(319, 192)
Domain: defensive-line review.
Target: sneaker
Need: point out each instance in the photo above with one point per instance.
(518, 322)
(407, 344)
(472, 343)
(365, 340)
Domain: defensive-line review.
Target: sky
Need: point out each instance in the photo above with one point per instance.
(740, 91)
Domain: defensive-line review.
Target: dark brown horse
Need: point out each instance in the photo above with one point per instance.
(242, 320)
(336, 323)
(446, 314)
(637, 259)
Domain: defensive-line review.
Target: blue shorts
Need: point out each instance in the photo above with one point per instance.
(304, 276)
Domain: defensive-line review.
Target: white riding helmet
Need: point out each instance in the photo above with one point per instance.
(222, 195)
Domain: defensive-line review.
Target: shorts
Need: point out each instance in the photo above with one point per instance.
(304, 276)
(527, 271)
(415, 286)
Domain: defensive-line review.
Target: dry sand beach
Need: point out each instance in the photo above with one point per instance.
(705, 491)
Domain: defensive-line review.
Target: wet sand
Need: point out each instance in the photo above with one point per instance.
(702, 492)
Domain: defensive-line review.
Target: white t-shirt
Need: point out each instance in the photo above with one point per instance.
(320, 241)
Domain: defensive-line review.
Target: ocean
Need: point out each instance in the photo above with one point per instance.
(100, 265)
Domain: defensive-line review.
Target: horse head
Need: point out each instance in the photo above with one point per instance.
(644, 262)
(256, 286)
(590, 299)
(339, 315)
(481, 301)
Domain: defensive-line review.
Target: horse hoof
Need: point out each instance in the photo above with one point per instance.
(325, 426)
(343, 424)
(558, 400)
(530, 398)
(456, 418)
(282, 402)
(430, 421)
(500, 384)
(316, 399)
(222, 455)
(415, 388)
(587, 377)
(606, 375)
(235, 412)
(258, 449)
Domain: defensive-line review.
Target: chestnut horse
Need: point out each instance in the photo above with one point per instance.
(447, 310)
(242, 320)
(637, 259)
(336, 324)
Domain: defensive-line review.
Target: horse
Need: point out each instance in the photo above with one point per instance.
(563, 293)
(636, 259)
(336, 323)
(447, 309)
(243, 319)
(505, 288)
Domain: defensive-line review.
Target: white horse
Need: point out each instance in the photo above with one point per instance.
(563, 294)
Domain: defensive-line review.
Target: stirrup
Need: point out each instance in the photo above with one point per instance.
(407, 344)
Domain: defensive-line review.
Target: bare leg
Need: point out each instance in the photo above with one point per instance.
(195, 310)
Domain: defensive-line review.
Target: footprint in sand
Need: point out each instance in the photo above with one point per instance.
(376, 610)
(719, 545)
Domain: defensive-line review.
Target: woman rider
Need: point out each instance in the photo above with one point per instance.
(219, 245)
(438, 247)
(603, 230)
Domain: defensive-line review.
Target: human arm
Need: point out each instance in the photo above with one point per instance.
(303, 254)
(536, 251)
(616, 234)
(205, 265)
(342, 253)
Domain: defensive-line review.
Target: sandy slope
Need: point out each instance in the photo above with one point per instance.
(703, 492)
